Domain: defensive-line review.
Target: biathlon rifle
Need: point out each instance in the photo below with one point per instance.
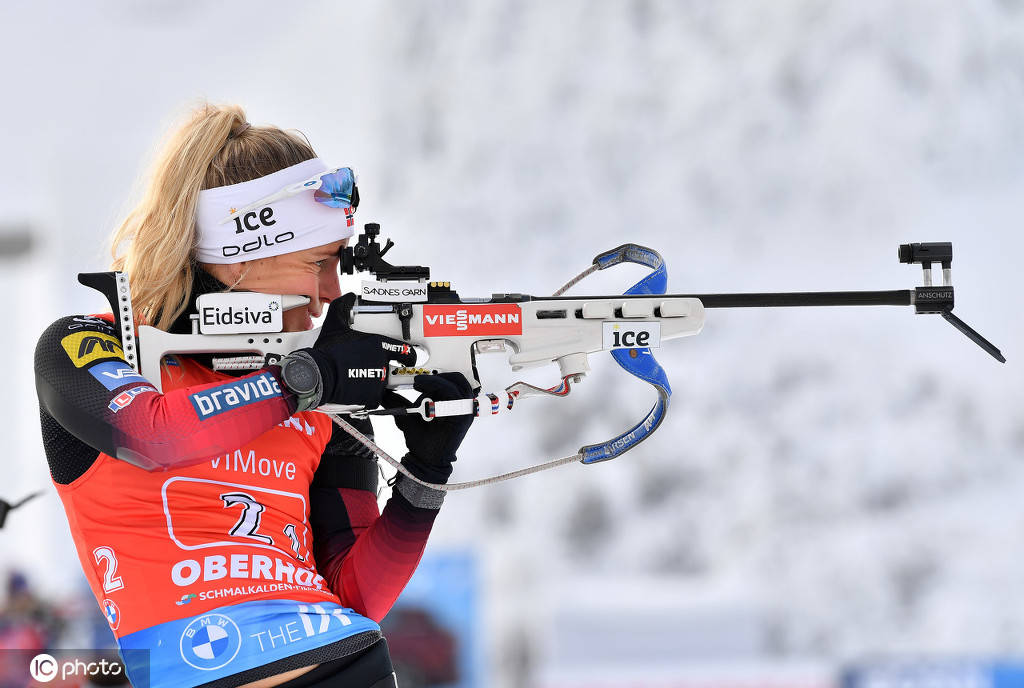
(450, 331)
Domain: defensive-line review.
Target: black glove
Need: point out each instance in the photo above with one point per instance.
(353, 365)
(432, 444)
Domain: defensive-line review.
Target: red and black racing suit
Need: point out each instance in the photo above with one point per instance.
(251, 531)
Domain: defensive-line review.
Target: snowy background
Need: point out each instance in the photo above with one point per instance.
(829, 485)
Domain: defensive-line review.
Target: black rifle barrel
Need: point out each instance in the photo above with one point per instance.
(900, 297)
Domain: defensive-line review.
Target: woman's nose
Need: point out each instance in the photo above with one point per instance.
(330, 286)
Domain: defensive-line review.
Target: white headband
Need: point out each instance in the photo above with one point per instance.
(292, 223)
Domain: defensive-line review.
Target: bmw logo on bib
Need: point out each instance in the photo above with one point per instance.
(112, 613)
(210, 642)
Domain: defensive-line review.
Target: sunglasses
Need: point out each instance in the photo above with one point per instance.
(335, 188)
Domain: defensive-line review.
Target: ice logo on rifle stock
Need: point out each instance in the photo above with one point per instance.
(631, 335)
(210, 642)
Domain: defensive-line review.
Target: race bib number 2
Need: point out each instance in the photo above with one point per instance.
(209, 513)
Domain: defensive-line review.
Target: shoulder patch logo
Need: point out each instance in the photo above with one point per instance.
(115, 374)
(85, 347)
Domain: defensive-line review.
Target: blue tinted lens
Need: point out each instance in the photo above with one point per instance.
(336, 188)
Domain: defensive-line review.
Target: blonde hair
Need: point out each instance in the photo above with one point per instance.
(155, 242)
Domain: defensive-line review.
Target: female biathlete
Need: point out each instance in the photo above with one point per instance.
(229, 532)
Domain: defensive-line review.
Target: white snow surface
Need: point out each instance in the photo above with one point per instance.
(851, 476)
